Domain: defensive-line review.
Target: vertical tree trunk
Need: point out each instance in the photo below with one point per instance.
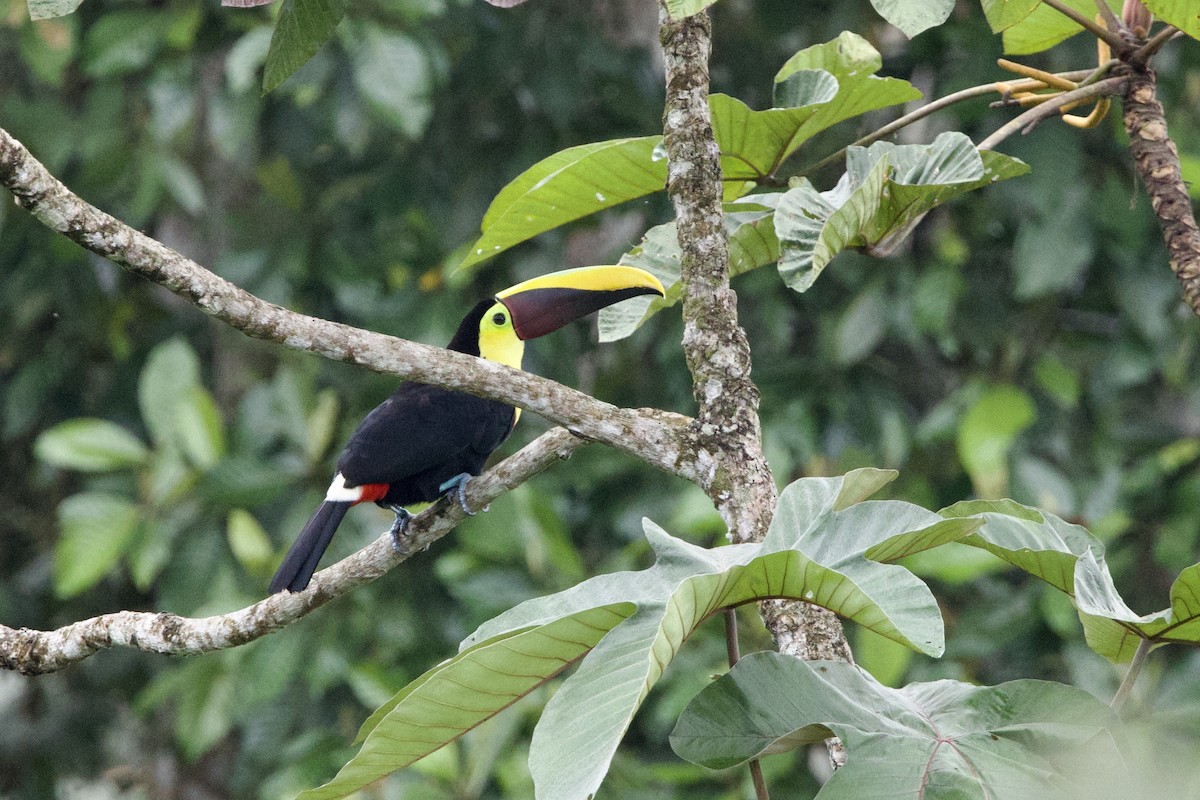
(718, 354)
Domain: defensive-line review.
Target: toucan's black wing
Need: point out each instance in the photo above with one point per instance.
(420, 428)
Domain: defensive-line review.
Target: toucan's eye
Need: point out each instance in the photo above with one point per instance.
(498, 318)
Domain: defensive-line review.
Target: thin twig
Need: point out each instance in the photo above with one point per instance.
(1114, 40)
(1027, 121)
(1154, 44)
(929, 108)
(1114, 23)
(1131, 675)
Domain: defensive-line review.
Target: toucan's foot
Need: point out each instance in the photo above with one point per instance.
(458, 484)
(399, 526)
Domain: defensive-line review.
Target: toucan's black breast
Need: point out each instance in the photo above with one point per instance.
(421, 437)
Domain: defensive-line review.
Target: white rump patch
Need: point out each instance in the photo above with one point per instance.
(339, 492)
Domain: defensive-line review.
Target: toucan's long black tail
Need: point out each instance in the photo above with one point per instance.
(301, 561)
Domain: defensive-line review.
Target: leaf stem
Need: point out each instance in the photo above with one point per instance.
(760, 783)
(1154, 44)
(1027, 121)
(1114, 23)
(1131, 675)
(1113, 39)
(734, 654)
(732, 650)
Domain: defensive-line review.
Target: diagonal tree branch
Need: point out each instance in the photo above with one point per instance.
(33, 652)
(648, 434)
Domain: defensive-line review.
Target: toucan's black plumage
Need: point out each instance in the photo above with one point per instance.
(424, 439)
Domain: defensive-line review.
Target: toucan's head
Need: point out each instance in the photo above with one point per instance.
(497, 328)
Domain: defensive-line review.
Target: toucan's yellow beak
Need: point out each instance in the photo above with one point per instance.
(548, 302)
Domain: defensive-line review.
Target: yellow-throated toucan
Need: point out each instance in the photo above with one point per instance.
(424, 441)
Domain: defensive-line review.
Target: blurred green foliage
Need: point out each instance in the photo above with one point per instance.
(154, 460)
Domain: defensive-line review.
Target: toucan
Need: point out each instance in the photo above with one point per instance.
(425, 441)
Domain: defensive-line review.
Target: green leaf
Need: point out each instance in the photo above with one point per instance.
(201, 433)
(1072, 560)
(577, 736)
(944, 739)
(1037, 542)
(45, 9)
(96, 528)
(183, 184)
(1045, 27)
(861, 327)
(815, 89)
(1003, 14)
(393, 76)
(462, 692)
(824, 546)
(1183, 14)
(171, 371)
(570, 184)
(754, 144)
(300, 30)
(278, 179)
(250, 543)
(1051, 253)
(321, 425)
(886, 191)
(678, 9)
(123, 41)
(90, 445)
(986, 434)
(750, 228)
(914, 16)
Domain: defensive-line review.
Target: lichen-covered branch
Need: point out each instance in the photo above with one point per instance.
(718, 354)
(34, 652)
(1157, 162)
(652, 436)
(714, 343)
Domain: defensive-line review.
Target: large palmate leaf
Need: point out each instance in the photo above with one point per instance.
(1183, 14)
(45, 9)
(750, 228)
(885, 192)
(1069, 558)
(944, 739)
(1041, 28)
(1003, 14)
(825, 546)
(815, 89)
(566, 186)
(914, 16)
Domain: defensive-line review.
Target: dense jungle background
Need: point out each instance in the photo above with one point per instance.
(1037, 317)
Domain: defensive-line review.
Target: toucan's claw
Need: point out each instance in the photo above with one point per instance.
(399, 526)
(459, 486)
